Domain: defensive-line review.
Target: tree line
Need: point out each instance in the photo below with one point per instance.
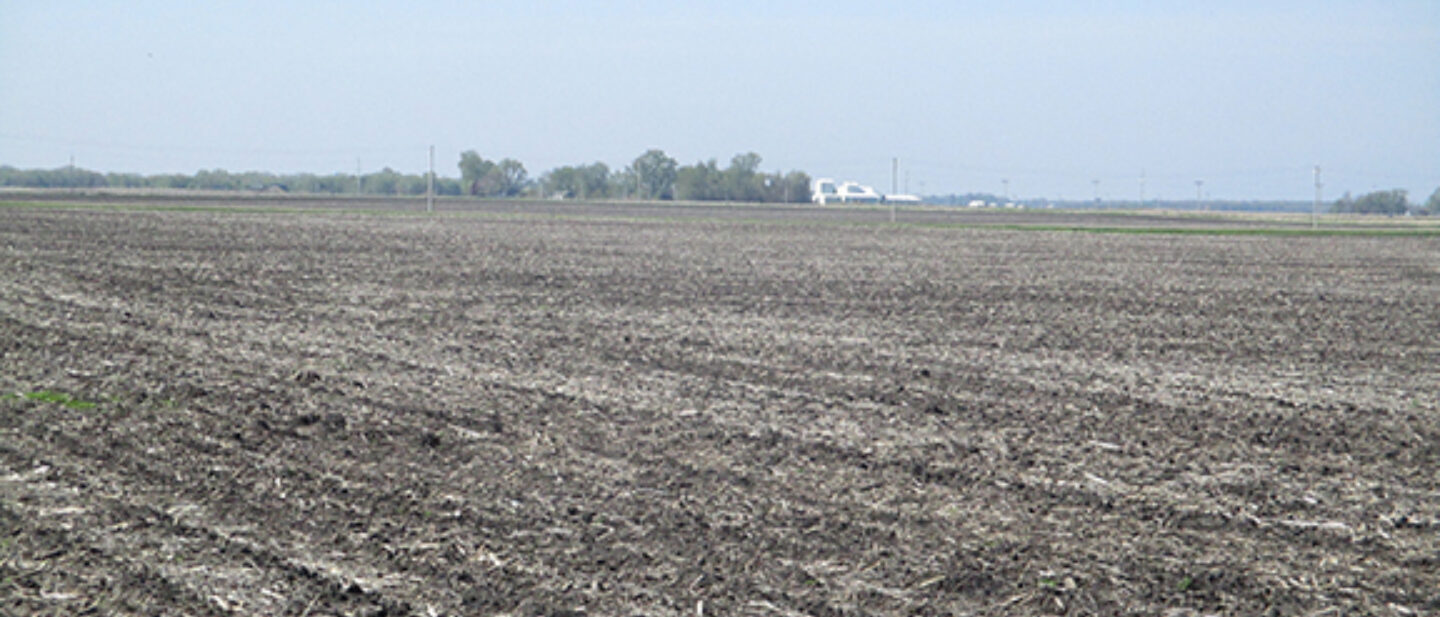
(1392, 202)
(384, 182)
(651, 176)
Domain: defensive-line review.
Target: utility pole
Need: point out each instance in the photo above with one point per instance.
(1198, 184)
(1006, 183)
(430, 184)
(1315, 209)
(894, 184)
(1096, 182)
(357, 176)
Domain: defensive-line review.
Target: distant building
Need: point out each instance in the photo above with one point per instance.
(827, 190)
(824, 190)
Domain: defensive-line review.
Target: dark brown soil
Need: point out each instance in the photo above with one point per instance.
(333, 413)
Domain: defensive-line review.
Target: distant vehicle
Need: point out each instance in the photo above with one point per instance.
(826, 190)
(902, 199)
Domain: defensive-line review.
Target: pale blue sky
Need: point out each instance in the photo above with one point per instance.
(1247, 96)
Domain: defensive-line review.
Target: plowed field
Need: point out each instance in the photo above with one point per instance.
(217, 412)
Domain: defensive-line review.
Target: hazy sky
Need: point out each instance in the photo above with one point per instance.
(1246, 95)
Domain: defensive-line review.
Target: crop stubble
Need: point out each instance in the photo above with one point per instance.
(337, 414)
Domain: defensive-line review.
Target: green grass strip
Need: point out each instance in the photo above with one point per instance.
(51, 396)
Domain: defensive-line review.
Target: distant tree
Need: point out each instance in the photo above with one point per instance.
(256, 180)
(566, 182)
(561, 181)
(474, 169)
(63, 177)
(1432, 205)
(302, 183)
(119, 180)
(335, 184)
(448, 186)
(214, 180)
(413, 184)
(1344, 205)
(595, 181)
(700, 181)
(384, 182)
(1391, 202)
(742, 182)
(169, 181)
(655, 173)
(490, 179)
(793, 187)
(513, 177)
(579, 182)
(623, 183)
(504, 179)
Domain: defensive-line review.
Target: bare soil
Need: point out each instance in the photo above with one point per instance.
(337, 413)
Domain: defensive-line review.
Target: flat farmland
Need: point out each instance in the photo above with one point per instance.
(221, 411)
